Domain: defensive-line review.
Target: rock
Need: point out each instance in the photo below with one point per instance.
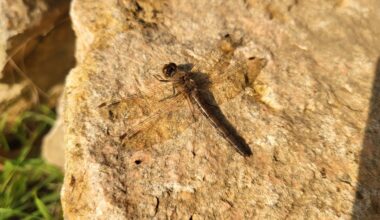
(36, 52)
(293, 77)
(53, 147)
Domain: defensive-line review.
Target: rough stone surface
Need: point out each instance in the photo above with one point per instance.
(302, 102)
(36, 51)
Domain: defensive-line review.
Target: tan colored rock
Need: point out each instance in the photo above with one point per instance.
(53, 148)
(36, 52)
(301, 102)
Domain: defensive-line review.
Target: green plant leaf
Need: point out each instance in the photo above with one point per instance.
(6, 213)
(42, 207)
(3, 139)
(22, 177)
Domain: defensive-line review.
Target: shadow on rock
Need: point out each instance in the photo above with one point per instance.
(367, 201)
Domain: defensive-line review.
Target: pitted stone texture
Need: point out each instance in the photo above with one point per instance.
(301, 101)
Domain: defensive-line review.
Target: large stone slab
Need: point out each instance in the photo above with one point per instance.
(294, 77)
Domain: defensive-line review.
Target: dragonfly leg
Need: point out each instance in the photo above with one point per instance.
(159, 78)
(173, 89)
(175, 94)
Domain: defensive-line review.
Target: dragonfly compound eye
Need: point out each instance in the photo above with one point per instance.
(169, 69)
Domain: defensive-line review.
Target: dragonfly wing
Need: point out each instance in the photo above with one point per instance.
(165, 107)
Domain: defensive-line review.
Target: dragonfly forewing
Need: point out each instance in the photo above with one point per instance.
(148, 121)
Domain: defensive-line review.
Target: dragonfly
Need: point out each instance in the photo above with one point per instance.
(191, 86)
(185, 82)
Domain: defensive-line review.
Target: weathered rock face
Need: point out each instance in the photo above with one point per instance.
(294, 78)
(36, 51)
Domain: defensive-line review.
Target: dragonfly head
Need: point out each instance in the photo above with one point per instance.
(169, 70)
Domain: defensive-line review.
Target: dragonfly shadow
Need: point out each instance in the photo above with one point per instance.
(203, 83)
(187, 67)
(367, 201)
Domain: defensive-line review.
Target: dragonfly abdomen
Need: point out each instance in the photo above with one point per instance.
(225, 129)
